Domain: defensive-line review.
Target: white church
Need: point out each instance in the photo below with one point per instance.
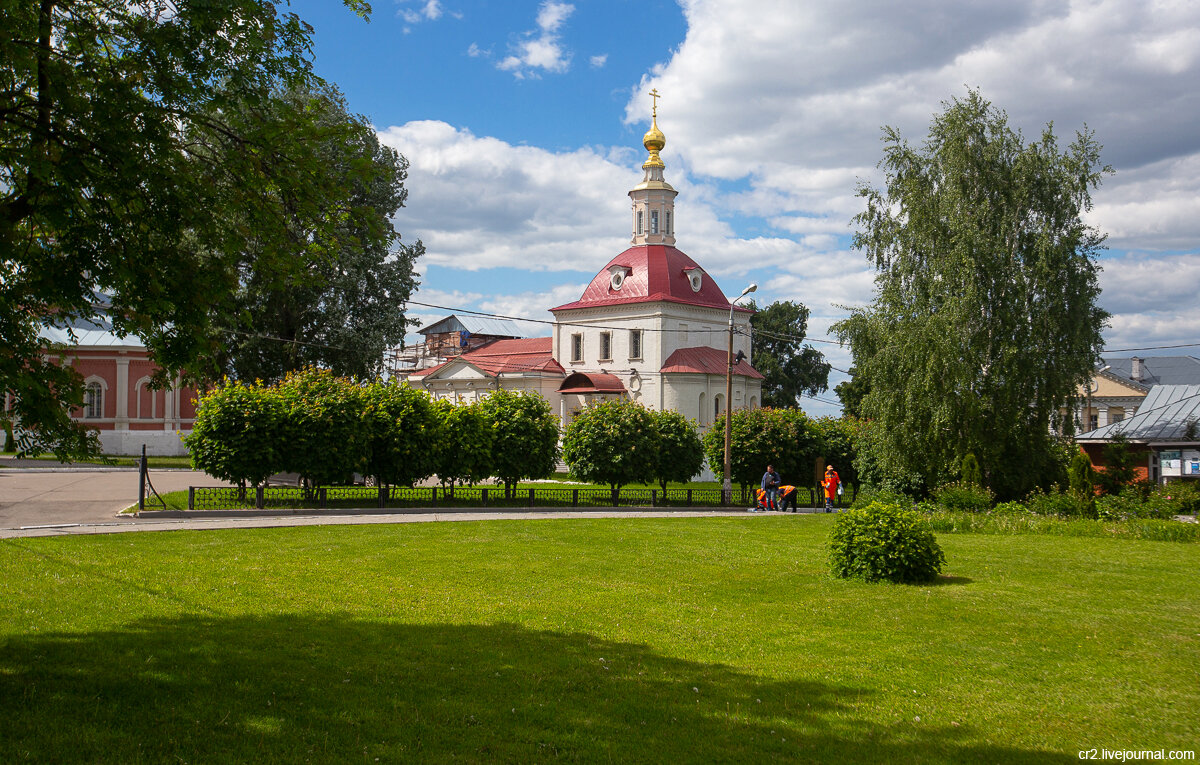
(652, 326)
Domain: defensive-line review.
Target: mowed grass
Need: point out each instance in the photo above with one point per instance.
(611, 640)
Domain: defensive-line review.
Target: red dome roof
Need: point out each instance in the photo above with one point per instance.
(653, 272)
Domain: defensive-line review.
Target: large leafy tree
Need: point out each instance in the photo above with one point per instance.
(612, 442)
(851, 393)
(345, 306)
(790, 368)
(129, 134)
(985, 320)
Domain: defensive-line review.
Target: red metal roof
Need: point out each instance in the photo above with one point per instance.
(657, 272)
(592, 382)
(506, 356)
(708, 361)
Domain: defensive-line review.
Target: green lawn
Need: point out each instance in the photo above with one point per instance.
(614, 640)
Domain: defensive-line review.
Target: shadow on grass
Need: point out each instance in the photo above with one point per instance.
(331, 689)
(944, 580)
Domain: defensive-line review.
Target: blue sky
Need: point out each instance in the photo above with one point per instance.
(523, 121)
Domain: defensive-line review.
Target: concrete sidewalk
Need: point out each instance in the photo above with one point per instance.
(189, 521)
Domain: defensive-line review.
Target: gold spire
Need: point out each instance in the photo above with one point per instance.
(654, 140)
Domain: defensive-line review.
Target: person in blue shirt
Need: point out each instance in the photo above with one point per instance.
(770, 484)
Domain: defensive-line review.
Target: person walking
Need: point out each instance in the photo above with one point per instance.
(770, 484)
(832, 484)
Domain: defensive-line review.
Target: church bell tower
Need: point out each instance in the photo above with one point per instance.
(653, 198)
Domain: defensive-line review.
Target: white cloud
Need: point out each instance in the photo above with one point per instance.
(793, 109)
(479, 202)
(598, 61)
(541, 50)
(430, 10)
(802, 98)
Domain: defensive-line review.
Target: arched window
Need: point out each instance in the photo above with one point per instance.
(146, 399)
(703, 412)
(754, 402)
(718, 406)
(93, 401)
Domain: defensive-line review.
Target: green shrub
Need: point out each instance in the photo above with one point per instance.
(874, 493)
(884, 542)
(965, 496)
(1159, 503)
(1010, 508)
(1055, 502)
(1119, 507)
(1081, 477)
(1186, 494)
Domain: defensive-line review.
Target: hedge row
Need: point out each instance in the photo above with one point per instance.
(328, 428)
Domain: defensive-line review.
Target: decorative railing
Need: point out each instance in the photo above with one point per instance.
(435, 497)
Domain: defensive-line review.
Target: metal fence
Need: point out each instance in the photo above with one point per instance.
(332, 497)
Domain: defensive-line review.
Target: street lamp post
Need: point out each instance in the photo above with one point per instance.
(727, 490)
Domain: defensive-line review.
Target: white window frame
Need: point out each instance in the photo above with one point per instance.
(635, 345)
(577, 347)
(93, 399)
(605, 346)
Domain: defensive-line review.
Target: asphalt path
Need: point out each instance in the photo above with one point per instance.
(62, 501)
(78, 495)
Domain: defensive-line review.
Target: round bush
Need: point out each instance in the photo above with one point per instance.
(884, 542)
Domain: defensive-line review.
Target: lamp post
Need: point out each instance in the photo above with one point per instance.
(727, 490)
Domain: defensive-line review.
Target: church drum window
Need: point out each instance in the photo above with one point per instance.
(654, 221)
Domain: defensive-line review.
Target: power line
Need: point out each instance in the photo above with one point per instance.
(1151, 348)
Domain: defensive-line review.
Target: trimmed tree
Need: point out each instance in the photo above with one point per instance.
(326, 441)
(467, 443)
(238, 435)
(784, 438)
(405, 434)
(612, 442)
(680, 450)
(525, 436)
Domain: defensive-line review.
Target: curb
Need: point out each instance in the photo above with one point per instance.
(441, 510)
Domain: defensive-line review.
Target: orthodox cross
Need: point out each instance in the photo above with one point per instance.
(654, 109)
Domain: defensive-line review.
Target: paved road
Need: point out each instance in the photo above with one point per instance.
(42, 496)
(68, 501)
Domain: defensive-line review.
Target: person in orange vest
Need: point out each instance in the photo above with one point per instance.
(832, 484)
